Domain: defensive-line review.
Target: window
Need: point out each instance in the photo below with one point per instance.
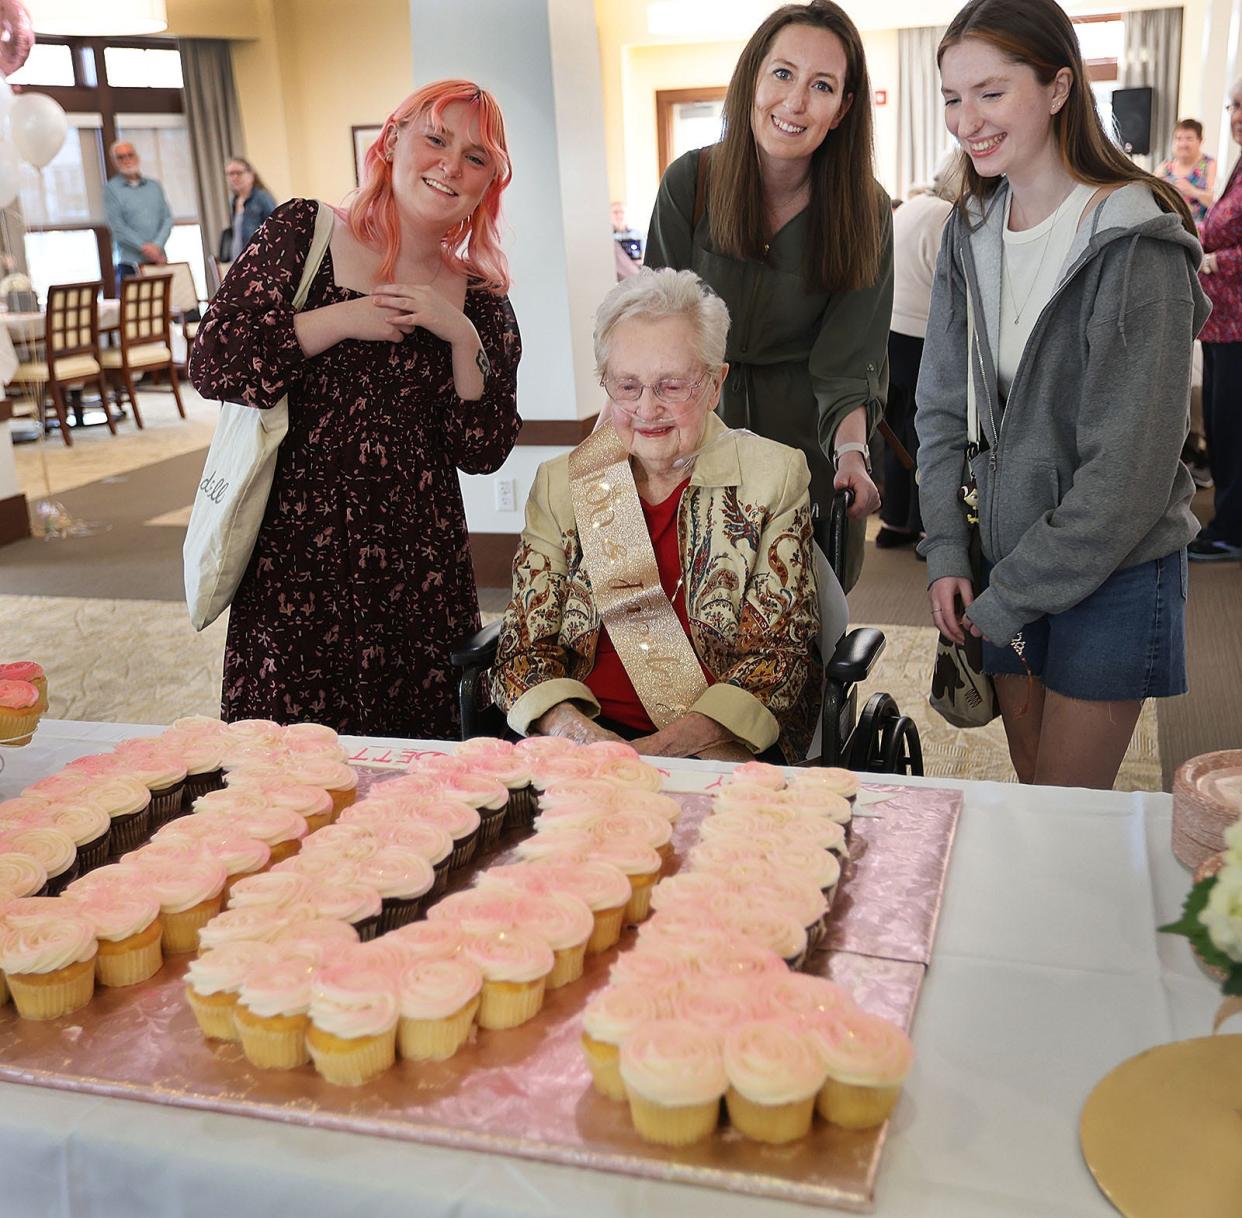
(142, 68)
(686, 119)
(186, 245)
(61, 256)
(70, 188)
(163, 146)
(1102, 41)
(49, 63)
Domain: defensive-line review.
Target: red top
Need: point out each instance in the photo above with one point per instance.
(1222, 235)
(608, 680)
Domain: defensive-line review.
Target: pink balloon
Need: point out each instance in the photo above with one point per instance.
(16, 36)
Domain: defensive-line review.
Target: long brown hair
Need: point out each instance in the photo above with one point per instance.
(1039, 34)
(259, 183)
(845, 215)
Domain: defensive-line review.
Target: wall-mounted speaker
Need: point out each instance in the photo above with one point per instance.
(1132, 114)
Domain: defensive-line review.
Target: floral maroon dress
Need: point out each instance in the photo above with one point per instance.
(360, 581)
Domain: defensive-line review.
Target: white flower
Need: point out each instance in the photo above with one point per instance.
(16, 282)
(1233, 844)
(1223, 914)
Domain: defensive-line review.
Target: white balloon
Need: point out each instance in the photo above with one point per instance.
(10, 173)
(7, 98)
(38, 126)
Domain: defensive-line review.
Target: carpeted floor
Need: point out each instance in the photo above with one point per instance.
(104, 613)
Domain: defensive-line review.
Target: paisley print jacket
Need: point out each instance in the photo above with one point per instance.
(745, 537)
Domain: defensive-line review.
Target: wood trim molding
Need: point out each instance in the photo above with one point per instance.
(665, 100)
(492, 556)
(14, 519)
(556, 433)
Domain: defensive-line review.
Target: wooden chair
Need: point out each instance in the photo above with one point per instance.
(145, 338)
(71, 354)
(219, 269)
(183, 299)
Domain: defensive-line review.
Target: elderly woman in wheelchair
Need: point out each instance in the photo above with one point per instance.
(664, 589)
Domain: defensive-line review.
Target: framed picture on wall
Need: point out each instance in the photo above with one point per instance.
(363, 138)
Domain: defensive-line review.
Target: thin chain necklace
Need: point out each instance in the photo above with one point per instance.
(1007, 275)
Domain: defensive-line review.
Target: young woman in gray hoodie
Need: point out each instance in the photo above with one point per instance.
(1066, 284)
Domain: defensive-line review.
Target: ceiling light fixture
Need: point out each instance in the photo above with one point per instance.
(97, 18)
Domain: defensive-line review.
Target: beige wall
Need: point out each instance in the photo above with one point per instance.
(212, 18)
(316, 68)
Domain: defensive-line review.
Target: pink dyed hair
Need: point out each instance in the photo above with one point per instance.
(472, 247)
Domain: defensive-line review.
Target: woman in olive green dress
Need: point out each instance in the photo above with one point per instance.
(784, 219)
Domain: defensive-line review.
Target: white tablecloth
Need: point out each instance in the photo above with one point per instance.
(1047, 972)
(29, 327)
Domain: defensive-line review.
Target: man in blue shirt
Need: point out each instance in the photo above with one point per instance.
(138, 213)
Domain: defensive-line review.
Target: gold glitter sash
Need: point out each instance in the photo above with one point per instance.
(617, 551)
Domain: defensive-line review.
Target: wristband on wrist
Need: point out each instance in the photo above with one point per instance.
(851, 446)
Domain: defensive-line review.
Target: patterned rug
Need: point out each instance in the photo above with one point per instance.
(132, 661)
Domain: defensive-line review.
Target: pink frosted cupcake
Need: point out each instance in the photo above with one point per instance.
(515, 966)
(580, 794)
(829, 778)
(431, 940)
(630, 774)
(128, 928)
(433, 842)
(648, 827)
(608, 1019)
(402, 877)
(804, 998)
(534, 748)
(189, 896)
(65, 784)
(29, 671)
(714, 1005)
(354, 902)
(24, 811)
(212, 982)
(317, 738)
(674, 1077)
(54, 849)
(21, 875)
(315, 804)
(19, 712)
(654, 970)
(758, 774)
(741, 961)
(163, 772)
(251, 924)
(87, 822)
(352, 1036)
(351, 842)
(332, 775)
(765, 923)
(509, 767)
(202, 753)
(49, 964)
(774, 1076)
(605, 889)
(438, 1001)
(866, 1059)
(280, 829)
(461, 821)
(272, 1013)
(640, 864)
(318, 939)
(274, 888)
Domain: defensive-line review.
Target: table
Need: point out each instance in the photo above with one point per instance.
(1047, 972)
(29, 327)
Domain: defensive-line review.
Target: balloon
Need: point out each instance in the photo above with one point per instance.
(7, 97)
(16, 36)
(38, 125)
(10, 173)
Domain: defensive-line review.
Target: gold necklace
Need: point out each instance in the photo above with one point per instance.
(1007, 276)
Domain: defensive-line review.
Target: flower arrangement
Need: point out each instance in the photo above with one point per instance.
(1212, 916)
(15, 282)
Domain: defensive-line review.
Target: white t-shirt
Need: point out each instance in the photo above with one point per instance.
(917, 228)
(1031, 268)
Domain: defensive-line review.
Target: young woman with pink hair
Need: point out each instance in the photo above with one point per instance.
(400, 370)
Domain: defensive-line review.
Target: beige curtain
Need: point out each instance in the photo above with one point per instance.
(1153, 56)
(214, 122)
(921, 134)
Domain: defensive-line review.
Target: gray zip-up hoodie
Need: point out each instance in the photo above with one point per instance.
(1081, 475)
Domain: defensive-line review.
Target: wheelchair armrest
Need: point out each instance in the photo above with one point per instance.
(856, 655)
(479, 650)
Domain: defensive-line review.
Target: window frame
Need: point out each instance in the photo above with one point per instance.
(91, 94)
(667, 100)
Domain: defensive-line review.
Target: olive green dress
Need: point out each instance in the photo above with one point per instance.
(799, 361)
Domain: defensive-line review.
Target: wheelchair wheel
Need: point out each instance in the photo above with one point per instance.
(901, 748)
(865, 755)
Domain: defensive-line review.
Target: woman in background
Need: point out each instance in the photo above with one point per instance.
(785, 221)
(250, 203)
(400, 371)
(1189, 170)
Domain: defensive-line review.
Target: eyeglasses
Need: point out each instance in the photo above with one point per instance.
(1232, 107)
(126, 156)
(671, 390)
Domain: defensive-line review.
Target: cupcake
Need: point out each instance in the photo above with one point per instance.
(189, 895)
(511, 769)
(640, 864)
(758, 774)
(533, 748)
(353, 1023)
(740, 960)
(867, 1059)
(203, 756)
(433, 842)
(343, 841)
(631, 774)
(819, 800)
(315, 738)
(52, 847)
(336, 777)
(128, 802)
(128, 928)
(608, 1019)
(830, 778)
(273, 888)
(431, 940)
(487, 795)
(648, 827)
(437, 1001)
(49, 965)
(163, 772)
(29, 671)
(24, 811)
(774, 1074)
(65, 784)
(674, 1077)
(604, 889)
(649, 967)
(19, 712)
(252, 924)
(578, 794)
(313, 803)
(21, 875)
(279, 828)
(820, 866)
(461, 821)
(402, 877)
(712, 1004)
(272, 1013)
(566, 923)
(765, 923)
(804, 998)
(212, 982)
(318, 939)
(350, 901)
(515, 966)
(88, 825)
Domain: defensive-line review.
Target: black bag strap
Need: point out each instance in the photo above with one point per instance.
(700, 187)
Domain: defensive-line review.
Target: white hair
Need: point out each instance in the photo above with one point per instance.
(652, 295)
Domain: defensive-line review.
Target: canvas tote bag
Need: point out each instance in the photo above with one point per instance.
(237, 479)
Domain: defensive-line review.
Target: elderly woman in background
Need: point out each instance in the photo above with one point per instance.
(250, 203)
(664, 589)
(1191, 172)
(1221, 276)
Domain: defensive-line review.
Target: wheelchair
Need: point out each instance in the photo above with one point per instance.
(880, 740)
